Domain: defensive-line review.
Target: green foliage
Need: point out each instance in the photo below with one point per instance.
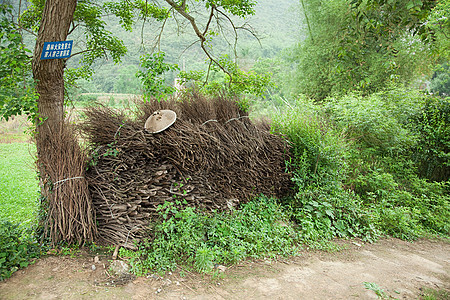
(431, 294)
(318, 151)
(351, 49)
(16, 92)
(235, 81)
(321, 206)
(395, 137)
(376, 289)
(239, 8)
(403, 14)
(439, 24)
(357, 164)
(432, 151)
(17, 248)
(152, 75)
(194, 239)
(440, 83)
(370, 123)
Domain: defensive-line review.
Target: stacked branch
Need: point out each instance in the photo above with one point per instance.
(213, 157)
(66, 200)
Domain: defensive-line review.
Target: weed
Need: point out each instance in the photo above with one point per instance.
(18, 249)
(377, 290)
(72, 251)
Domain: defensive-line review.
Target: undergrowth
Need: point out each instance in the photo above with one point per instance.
(361, 166)
(18, 248)
(188, 237)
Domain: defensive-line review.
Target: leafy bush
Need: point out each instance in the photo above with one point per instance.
(317, 151)
(17, 248)
(321, 206)
(355, 164)
(395, 137)
(371, 123)
(440, 83)
(186, 236)
(432, 152)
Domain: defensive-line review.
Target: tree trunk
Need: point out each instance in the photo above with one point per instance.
(60, 160)
(48, 74)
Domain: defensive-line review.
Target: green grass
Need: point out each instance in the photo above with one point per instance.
(19, 188)
(431, 294)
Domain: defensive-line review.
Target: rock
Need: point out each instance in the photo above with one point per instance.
(221, 268)
(119, 267)
(96, 260)
(356, 244)
(93, 267)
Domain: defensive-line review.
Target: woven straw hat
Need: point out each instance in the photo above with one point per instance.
(160, 120)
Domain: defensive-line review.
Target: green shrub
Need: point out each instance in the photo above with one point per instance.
(440, 83)
(371, 123)
(395, 136)
(321, 206)
(194, 239)
(325, 214)
(432, 152)
(365, 181)
(317, 151)
(17, 248)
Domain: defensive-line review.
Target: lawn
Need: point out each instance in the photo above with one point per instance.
(19, 188)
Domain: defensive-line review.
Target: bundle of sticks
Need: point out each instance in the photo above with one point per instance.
(213, 158)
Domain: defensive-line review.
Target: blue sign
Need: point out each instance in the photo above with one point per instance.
(57, 50)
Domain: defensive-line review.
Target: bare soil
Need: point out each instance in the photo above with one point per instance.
(402, 269)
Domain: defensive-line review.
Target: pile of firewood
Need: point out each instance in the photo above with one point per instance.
(213, 158)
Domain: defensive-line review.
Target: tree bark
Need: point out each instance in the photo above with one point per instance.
(48, 74)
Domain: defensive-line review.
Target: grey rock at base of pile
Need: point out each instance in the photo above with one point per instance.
(119, 267)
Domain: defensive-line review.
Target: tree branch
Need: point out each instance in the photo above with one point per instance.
(199, 34)
(158, 40)
(73, 27)
(191, 19)
(211, 15)
(234, 29)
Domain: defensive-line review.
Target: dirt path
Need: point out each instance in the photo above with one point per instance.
(401, 269)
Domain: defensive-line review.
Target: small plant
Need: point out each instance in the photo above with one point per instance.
(204, 259)
(17, 248)
(376, 289)
(71, 251)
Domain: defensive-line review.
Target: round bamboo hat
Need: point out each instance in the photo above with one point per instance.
(160, 120)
